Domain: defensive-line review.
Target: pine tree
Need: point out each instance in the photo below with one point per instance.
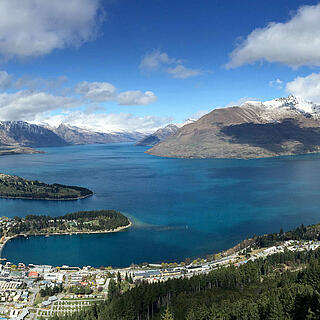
(167, 315)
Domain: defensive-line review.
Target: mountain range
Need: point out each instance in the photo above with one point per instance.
(76, 135)
(22, 137)
(283, 126)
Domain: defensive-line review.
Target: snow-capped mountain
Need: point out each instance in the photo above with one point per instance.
(282, 107)
(283, 126)
(28, 135)
(24, 134)
(76, 135)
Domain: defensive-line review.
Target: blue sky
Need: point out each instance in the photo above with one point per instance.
(138, 65)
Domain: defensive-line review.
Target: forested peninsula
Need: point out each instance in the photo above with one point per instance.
(19, 188)
(98, 221)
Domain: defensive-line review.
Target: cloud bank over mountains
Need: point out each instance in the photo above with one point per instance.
(104, 122)
(34, 100)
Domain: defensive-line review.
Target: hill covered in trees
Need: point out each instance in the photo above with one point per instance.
(17, 187)
(77, 222)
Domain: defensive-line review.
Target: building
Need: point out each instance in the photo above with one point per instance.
(33, 274)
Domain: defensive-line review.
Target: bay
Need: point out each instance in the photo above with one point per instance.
(180, 207)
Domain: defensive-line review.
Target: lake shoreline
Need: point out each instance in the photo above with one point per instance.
(46, 199)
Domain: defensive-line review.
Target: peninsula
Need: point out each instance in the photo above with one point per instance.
(16, 149)
(19, 188)
(97, 221)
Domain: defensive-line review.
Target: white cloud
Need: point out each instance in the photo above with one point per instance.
(26, 105)
(181, 72)
(31, 28)
(97, 91)
(104, 92)
(159, 61)
(39, 83)
(153, 60)
(84, 110)
(306, 87)
(278, 84)
(42, 107)
(5, 80)
(131, 98)
(294, 43)
(104, 122)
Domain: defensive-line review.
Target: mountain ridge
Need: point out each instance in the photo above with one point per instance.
(22, 137)
(158, 136)
(283, 126)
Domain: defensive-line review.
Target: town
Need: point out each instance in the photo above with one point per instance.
(42, 291)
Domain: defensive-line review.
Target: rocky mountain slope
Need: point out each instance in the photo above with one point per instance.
(284, 126)
(75, 135)
(23, 134)
(158, 136)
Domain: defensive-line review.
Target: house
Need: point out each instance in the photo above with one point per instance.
(33, 274)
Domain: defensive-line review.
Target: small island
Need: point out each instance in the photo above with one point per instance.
(15, 187)
(97, 221)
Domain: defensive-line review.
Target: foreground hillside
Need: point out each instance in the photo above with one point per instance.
(17, 187)
(285, 126)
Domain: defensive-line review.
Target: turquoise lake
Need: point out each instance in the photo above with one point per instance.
(180, 208)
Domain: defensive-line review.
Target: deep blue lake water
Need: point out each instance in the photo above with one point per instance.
(180, 208)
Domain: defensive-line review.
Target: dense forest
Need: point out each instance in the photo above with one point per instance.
(283, 286)
(82, 221)
(16, 187)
